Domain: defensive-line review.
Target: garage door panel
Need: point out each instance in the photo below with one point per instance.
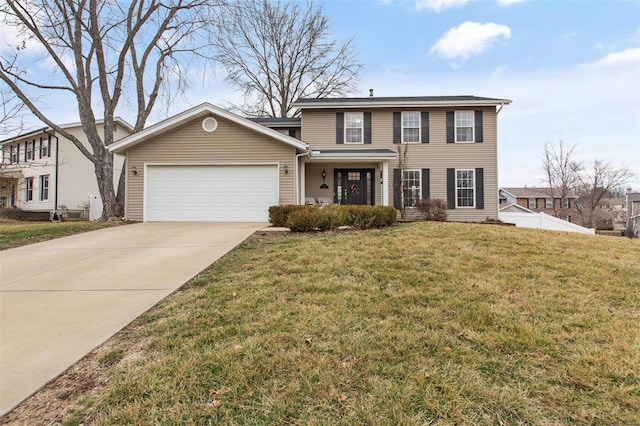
(211, 193)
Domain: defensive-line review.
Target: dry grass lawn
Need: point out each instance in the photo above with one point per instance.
(15, 233)
(426, 323)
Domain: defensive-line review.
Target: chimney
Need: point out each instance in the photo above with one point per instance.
(628, 190)
(371, 93)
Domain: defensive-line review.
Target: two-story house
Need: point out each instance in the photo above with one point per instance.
(207, 164)
(540, 200)
(42, 170)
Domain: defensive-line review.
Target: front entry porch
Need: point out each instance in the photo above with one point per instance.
(8, 192)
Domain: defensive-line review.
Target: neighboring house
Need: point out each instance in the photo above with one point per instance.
(44, 171)
(539, 200)
(207, 164)
(613, 204)
(632, 201)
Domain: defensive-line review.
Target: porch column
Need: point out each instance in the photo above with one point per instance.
(385, 183)
(303, 172)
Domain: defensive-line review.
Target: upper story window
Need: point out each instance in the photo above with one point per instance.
(548, 203)
(565, 203)
(14, 156)
(45, 150)
(532, 203)
(29, 148)
(465, 188)
(464, 126)
(353, 127)
(411, 127)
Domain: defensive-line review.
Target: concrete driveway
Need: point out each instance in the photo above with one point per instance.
(60, 299)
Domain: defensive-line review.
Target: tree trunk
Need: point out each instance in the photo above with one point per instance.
(104, 175)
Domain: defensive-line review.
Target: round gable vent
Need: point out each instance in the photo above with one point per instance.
(209, 124)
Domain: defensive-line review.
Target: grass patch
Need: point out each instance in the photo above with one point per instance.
(416, 324)
(15, 233)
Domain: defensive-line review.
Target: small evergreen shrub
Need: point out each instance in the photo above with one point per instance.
(310, 218)
(432, 209)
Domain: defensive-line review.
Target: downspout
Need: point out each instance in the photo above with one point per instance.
(295, 174)
(55, 197)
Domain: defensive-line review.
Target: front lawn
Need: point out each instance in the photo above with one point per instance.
(416, 324)
(15, 233)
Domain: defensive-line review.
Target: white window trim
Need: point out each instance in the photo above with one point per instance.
(31, 144)
(344, 136)
(402, 127)
(548, 203)
(531, 205)
(473, 206)
(42, 187)
(28, 189)
(564, 203)
(473, 128)
(419, 188)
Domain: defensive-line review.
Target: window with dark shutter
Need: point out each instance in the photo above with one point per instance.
(451, 188)
(397, 132)
(478, 125)
(397, 195)
(480, 188)
(424, 123)
(339, 127)
(425, 184)
(367, 127)
(450, 127)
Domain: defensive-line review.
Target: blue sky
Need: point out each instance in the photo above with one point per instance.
(572, 69)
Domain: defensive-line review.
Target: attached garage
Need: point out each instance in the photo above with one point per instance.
(208, 165)
(195, 193)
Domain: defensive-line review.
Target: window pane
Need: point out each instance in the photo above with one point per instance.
(464, 134)
(411, 119)
(353, 127)
(465, 188)
(353, 135)
(464, 126)
(412, 190)
(411, 135)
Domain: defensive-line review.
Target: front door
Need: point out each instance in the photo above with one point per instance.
(354, 186)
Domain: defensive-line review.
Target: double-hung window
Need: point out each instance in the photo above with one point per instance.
(44, 147)
(532, 203)
(15, 154)
(411, 127)
(28, 196)
(565, 203)
(44, 187)
(353, 127)
(548, 203)
(29, 150)
(464, 126)
(465, 188)
(412, 187)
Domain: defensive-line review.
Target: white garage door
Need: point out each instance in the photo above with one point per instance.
(211, 193)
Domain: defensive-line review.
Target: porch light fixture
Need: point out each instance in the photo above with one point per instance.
(324, 177)
(134, 170)
(286, 169)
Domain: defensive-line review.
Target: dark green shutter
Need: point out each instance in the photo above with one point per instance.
(450, 127)
(479, 188)
(339, 127)
(397, 199)
(367, 127)
(425, 184)
(451, 188)
(397, 122)
(478, 124)
(424, 124)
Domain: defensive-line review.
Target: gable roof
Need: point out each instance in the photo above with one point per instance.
(21, 136)
(278, 122)
(511, 208)
(203, 110)
(400, 101)
(532, 192)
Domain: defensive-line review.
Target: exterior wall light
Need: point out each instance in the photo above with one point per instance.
(324, 177)
(134, 170)
(286, 169)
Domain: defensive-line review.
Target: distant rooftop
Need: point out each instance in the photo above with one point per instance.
(530, 192)
(278, 122)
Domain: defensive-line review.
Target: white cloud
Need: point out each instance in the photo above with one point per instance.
(509, 2)
(11, 39)
(468, 39)
(626, 57)
(568, 36)
(439, 5)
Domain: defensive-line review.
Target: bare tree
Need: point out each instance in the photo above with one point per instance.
(595, 181)
(12, 111)
(104, 52)
(562, 173)
(275, 52)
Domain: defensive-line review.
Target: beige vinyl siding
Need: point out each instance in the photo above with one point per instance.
(189, 144)
(319, 131)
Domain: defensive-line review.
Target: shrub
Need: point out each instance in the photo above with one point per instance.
(432, 209)
(309, 218)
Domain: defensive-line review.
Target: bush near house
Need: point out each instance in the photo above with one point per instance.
(310, 218)
(432, 209)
